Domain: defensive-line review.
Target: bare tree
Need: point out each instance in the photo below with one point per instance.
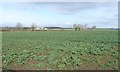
(33, 26)
(82, 26)
(79, 26)
(18, 26)
(75, 26)
(93, 27)
(85, 26)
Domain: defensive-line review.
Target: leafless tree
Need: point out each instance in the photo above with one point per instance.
(75, 26)
(93, 27)
(33, 26)
(79, 26)
(85, 26)
(18, 26)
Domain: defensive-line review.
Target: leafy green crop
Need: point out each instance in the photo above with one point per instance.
(61, 49)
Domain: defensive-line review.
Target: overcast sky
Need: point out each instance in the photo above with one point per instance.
(62, 14)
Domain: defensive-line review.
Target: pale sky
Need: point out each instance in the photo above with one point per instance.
(62, 14)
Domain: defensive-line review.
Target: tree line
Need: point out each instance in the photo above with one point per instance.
(20, 27)
(82, 27)
(77, 27)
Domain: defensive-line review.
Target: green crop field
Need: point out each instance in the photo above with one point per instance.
(66, 50)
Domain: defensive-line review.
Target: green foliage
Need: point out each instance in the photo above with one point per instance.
(60, 49)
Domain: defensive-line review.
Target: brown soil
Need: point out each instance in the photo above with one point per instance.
(85, 65)
(16, 66)
(89, 66)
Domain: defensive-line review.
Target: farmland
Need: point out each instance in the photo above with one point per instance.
(51, 50)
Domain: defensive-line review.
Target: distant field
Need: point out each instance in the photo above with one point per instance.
(84, 50)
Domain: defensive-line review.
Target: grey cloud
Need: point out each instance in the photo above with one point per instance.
(69, 8)
(66, 8)
(106, 22)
